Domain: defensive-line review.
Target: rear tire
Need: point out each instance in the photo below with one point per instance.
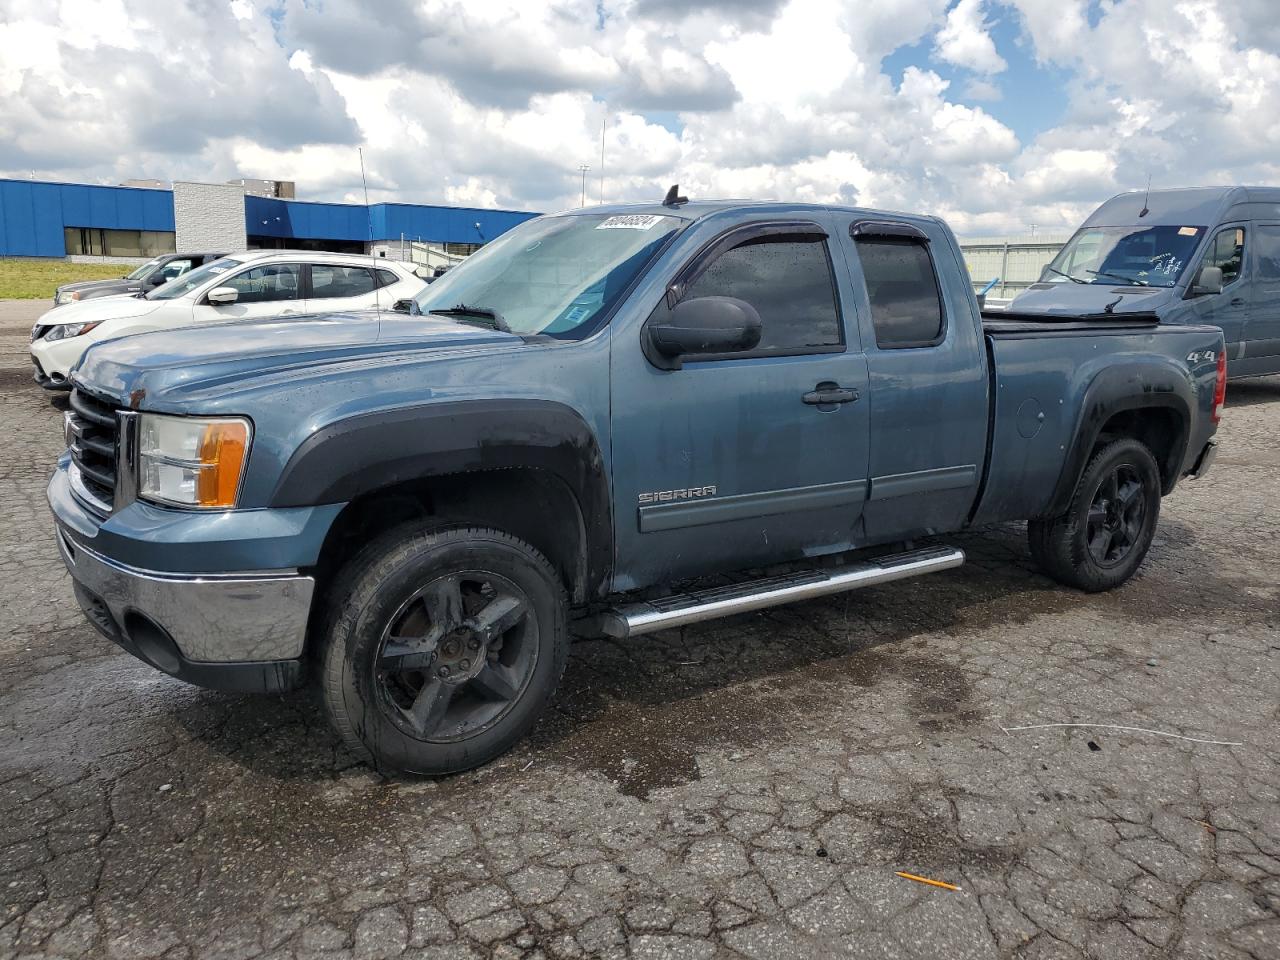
(443, 647)
(1106, 531)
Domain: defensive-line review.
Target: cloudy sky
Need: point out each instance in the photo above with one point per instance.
(997, 114)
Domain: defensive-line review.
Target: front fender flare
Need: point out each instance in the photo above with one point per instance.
(367, 452)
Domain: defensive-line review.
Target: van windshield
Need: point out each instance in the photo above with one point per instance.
(1134, 256)
(552, 275)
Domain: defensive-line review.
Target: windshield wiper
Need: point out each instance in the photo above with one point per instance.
(1067, 275)
(464, 312)
(1115, 276)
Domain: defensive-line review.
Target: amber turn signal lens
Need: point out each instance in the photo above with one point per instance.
(222, 452)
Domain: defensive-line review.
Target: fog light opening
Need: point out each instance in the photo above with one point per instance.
(152, 642)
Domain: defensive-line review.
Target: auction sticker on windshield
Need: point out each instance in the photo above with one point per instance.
(633, 221)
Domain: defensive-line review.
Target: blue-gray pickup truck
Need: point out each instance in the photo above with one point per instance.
(414, 511)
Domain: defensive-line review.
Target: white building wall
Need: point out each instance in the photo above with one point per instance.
(209, 217)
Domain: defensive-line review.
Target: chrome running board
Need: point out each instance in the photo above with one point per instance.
(636, 619)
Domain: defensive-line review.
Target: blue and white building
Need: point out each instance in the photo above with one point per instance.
(44, 219)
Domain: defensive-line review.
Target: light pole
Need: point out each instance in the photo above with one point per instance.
(583, 168)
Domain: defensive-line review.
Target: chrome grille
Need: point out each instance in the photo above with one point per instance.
(93, 429)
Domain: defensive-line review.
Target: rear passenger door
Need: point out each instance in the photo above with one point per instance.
(1262, 329)
(336, 287)
(928, 379)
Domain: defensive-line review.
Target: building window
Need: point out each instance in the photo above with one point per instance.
(96, 242)
(462, 249)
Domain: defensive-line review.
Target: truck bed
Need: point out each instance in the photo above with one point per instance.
(1044, 394)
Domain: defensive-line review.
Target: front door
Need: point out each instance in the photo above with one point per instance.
(1229, 309)
(734, 461)
(269, 290)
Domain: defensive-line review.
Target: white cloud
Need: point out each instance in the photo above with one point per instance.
(496, 102)
(975, 88)
(965, 39)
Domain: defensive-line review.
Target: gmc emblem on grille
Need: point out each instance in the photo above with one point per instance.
(685, 493)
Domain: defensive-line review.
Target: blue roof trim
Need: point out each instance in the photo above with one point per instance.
(307, 220)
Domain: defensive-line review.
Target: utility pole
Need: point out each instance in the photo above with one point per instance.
(583, 168)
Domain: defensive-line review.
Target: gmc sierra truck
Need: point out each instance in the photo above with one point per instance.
(413, 511)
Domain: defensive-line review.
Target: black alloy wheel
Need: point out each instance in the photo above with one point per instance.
(442, 646)
(1116, 515)
(456, 656)
(1100, 540)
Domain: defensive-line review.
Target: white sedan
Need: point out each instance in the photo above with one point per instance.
(243, 286)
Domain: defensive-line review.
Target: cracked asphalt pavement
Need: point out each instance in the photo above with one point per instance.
(746, 788)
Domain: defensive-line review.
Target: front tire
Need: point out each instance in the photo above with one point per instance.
(443, 648)
(1105, 533)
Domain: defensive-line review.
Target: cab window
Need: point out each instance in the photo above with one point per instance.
(906, 305)
(1227, 252)
(788, 279)
(175, 268)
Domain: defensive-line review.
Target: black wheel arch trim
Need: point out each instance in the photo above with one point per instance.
(1115, 390)
(367, 452)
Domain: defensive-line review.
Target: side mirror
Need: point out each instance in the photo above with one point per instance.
(1209, 281)
(407, 305)
(221, 296)
(705, 325)
(157, 279)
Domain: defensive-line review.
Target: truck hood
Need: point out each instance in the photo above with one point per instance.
(215, 357)
(122, 307)
(98, 285)
(1067, 298)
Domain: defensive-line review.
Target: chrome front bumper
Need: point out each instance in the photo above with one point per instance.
(208, 620)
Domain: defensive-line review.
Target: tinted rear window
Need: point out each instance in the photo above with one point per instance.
(906, 308)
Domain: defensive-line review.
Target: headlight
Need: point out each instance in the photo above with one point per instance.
(66, 330)
(69, 296)
(192, 461)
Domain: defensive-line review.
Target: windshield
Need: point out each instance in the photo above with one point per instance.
(1134, 256)
(552, 275)
(184, 284)
(143, 270)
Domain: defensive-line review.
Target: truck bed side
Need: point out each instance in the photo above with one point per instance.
(1060, 386)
